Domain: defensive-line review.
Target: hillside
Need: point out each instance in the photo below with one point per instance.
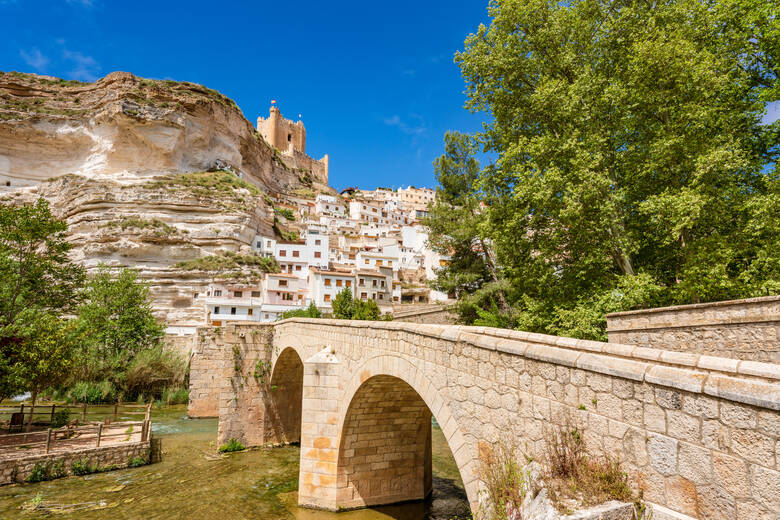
(149, 174)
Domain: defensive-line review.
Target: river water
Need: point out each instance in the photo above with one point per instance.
(193, 483)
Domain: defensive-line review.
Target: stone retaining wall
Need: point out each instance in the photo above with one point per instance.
(740, 329)
(436, 316)
(17, 470)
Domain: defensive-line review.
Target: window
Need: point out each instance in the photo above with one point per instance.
(362, 282)
(232, 310)
(338, 283)
(374, 283)
(327, 282)
(255, 294)
(282, 283)
(326, 297)
(381, 297)
(378, 262)
(289, 138)
(395, 298)
(282, 252)
(390, 262)
(287, 296)
(383, 283)
(195, 295)
(363, 296)
(237, 294)
(217, 293)
(367, 261)
(268, 244)
(317, 254)
(300, 297)
(216, 310)
(266, 315)
(259, 245)
(296, 254)
(297, 268)
(317, 242)
(349, 283)
(249, 311)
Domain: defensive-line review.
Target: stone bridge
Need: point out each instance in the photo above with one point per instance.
(699, 435)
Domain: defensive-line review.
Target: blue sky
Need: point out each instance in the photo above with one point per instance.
(375, 82)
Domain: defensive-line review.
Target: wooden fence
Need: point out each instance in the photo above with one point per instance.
(17, 416)
(76, 437)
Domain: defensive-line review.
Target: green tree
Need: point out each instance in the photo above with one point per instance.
(343, 305)
(632, 168)
(36, 278)
(116, 318)
(309, 312)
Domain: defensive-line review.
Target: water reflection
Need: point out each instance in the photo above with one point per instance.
(192, 482)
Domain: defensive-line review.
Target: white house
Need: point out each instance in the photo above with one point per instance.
(325, 284)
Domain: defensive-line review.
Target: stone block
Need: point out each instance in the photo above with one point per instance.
(662, 452)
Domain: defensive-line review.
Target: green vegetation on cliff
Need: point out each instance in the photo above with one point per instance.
(205, 184)
(228, 260)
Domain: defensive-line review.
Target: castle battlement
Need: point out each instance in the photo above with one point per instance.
(289, 137)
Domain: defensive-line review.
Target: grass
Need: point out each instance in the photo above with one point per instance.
(160, 227)
(231, 446)
(571, 475)
(206, 184)
(228, 260)
(286, 213)
(506, 481)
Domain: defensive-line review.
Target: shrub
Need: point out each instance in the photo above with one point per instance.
(286, 213)
(506, 482)
(46, 471)
(93, 393)
(82, 467)
(153, 371)
(61, 418)
(309, 312)
(134, 462)
(175, 396)
(226, 260)
(232, 445)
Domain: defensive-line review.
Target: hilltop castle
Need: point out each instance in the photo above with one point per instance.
(290, 139)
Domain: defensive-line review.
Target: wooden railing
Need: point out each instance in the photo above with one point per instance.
(81, 436)
(44, 414)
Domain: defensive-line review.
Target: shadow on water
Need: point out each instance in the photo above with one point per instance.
(193, 482)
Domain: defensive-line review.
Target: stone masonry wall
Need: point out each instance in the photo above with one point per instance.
(208, 372)
(17, 470)
(740, 329)
(699, 435)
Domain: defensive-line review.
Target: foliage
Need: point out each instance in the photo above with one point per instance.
(61, 418)
(309, 312)
(49, 470)
(83, 467)
(155, 371)
(116, 318)
(345, 307)
(206, 184)
(134, 462)
(175, 396)
(632, 167)
(506, 482)
(286, 213)
(36, 278)
(160, 228)
(228, 260)
(230, 446)
(93, 392)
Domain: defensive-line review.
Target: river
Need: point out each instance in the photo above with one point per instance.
(193, 483)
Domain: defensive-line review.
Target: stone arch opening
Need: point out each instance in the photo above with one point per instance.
(286, 397)
(385, 447)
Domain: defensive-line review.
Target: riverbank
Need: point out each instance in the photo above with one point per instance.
(193, 482)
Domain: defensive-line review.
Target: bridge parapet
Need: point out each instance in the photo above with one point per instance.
(700, 435)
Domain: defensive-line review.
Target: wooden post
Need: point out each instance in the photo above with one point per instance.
(48, 440)
(21, 411)
(100, 432)
(52, 414)
(148, 411)
(143, 431)
(84, 413)
(147, 430)
(116, 406)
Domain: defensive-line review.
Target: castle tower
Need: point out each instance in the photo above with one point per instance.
(284, 134)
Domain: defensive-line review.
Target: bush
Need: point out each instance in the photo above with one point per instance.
(82, 467)
(61, 418)
(175, 396)
(309, 312)
(153, 371)
(46, 471)
(134, 462)
(286, 213)
(93, 393)
(232, 445)
(506, 482)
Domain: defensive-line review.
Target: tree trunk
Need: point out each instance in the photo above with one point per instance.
(34, 394)
(492, 268)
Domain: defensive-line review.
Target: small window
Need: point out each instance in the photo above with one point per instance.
(282, 283)
(374, 283)
(287, 296)
(255, 294)
(282, 252)
(259, 245)
(249, 312)
(362, 282)
(317, 242)
(195, 295)
(367, 261)
(379, 262)
(326, 297)
(296, 254)
(238, 294)
(297, 267)
(232, 310)
(289, 138)
(363, 296)
(217, 293)
(327, 282)
(383, 283)
(381, 297)
(216, 310)
(349, 283)
(317, 254)
(266, 315)
(338, 283)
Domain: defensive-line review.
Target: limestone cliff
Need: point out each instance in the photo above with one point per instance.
(147, 174)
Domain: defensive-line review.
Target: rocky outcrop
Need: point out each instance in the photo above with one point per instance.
(125, 161)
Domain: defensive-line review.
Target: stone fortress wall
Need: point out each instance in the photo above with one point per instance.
(699, 435)
(740, 329)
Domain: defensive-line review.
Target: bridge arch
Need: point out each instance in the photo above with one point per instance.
(286, 397)
(384, 445)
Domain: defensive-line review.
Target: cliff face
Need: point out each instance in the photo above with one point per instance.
(123, 161)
